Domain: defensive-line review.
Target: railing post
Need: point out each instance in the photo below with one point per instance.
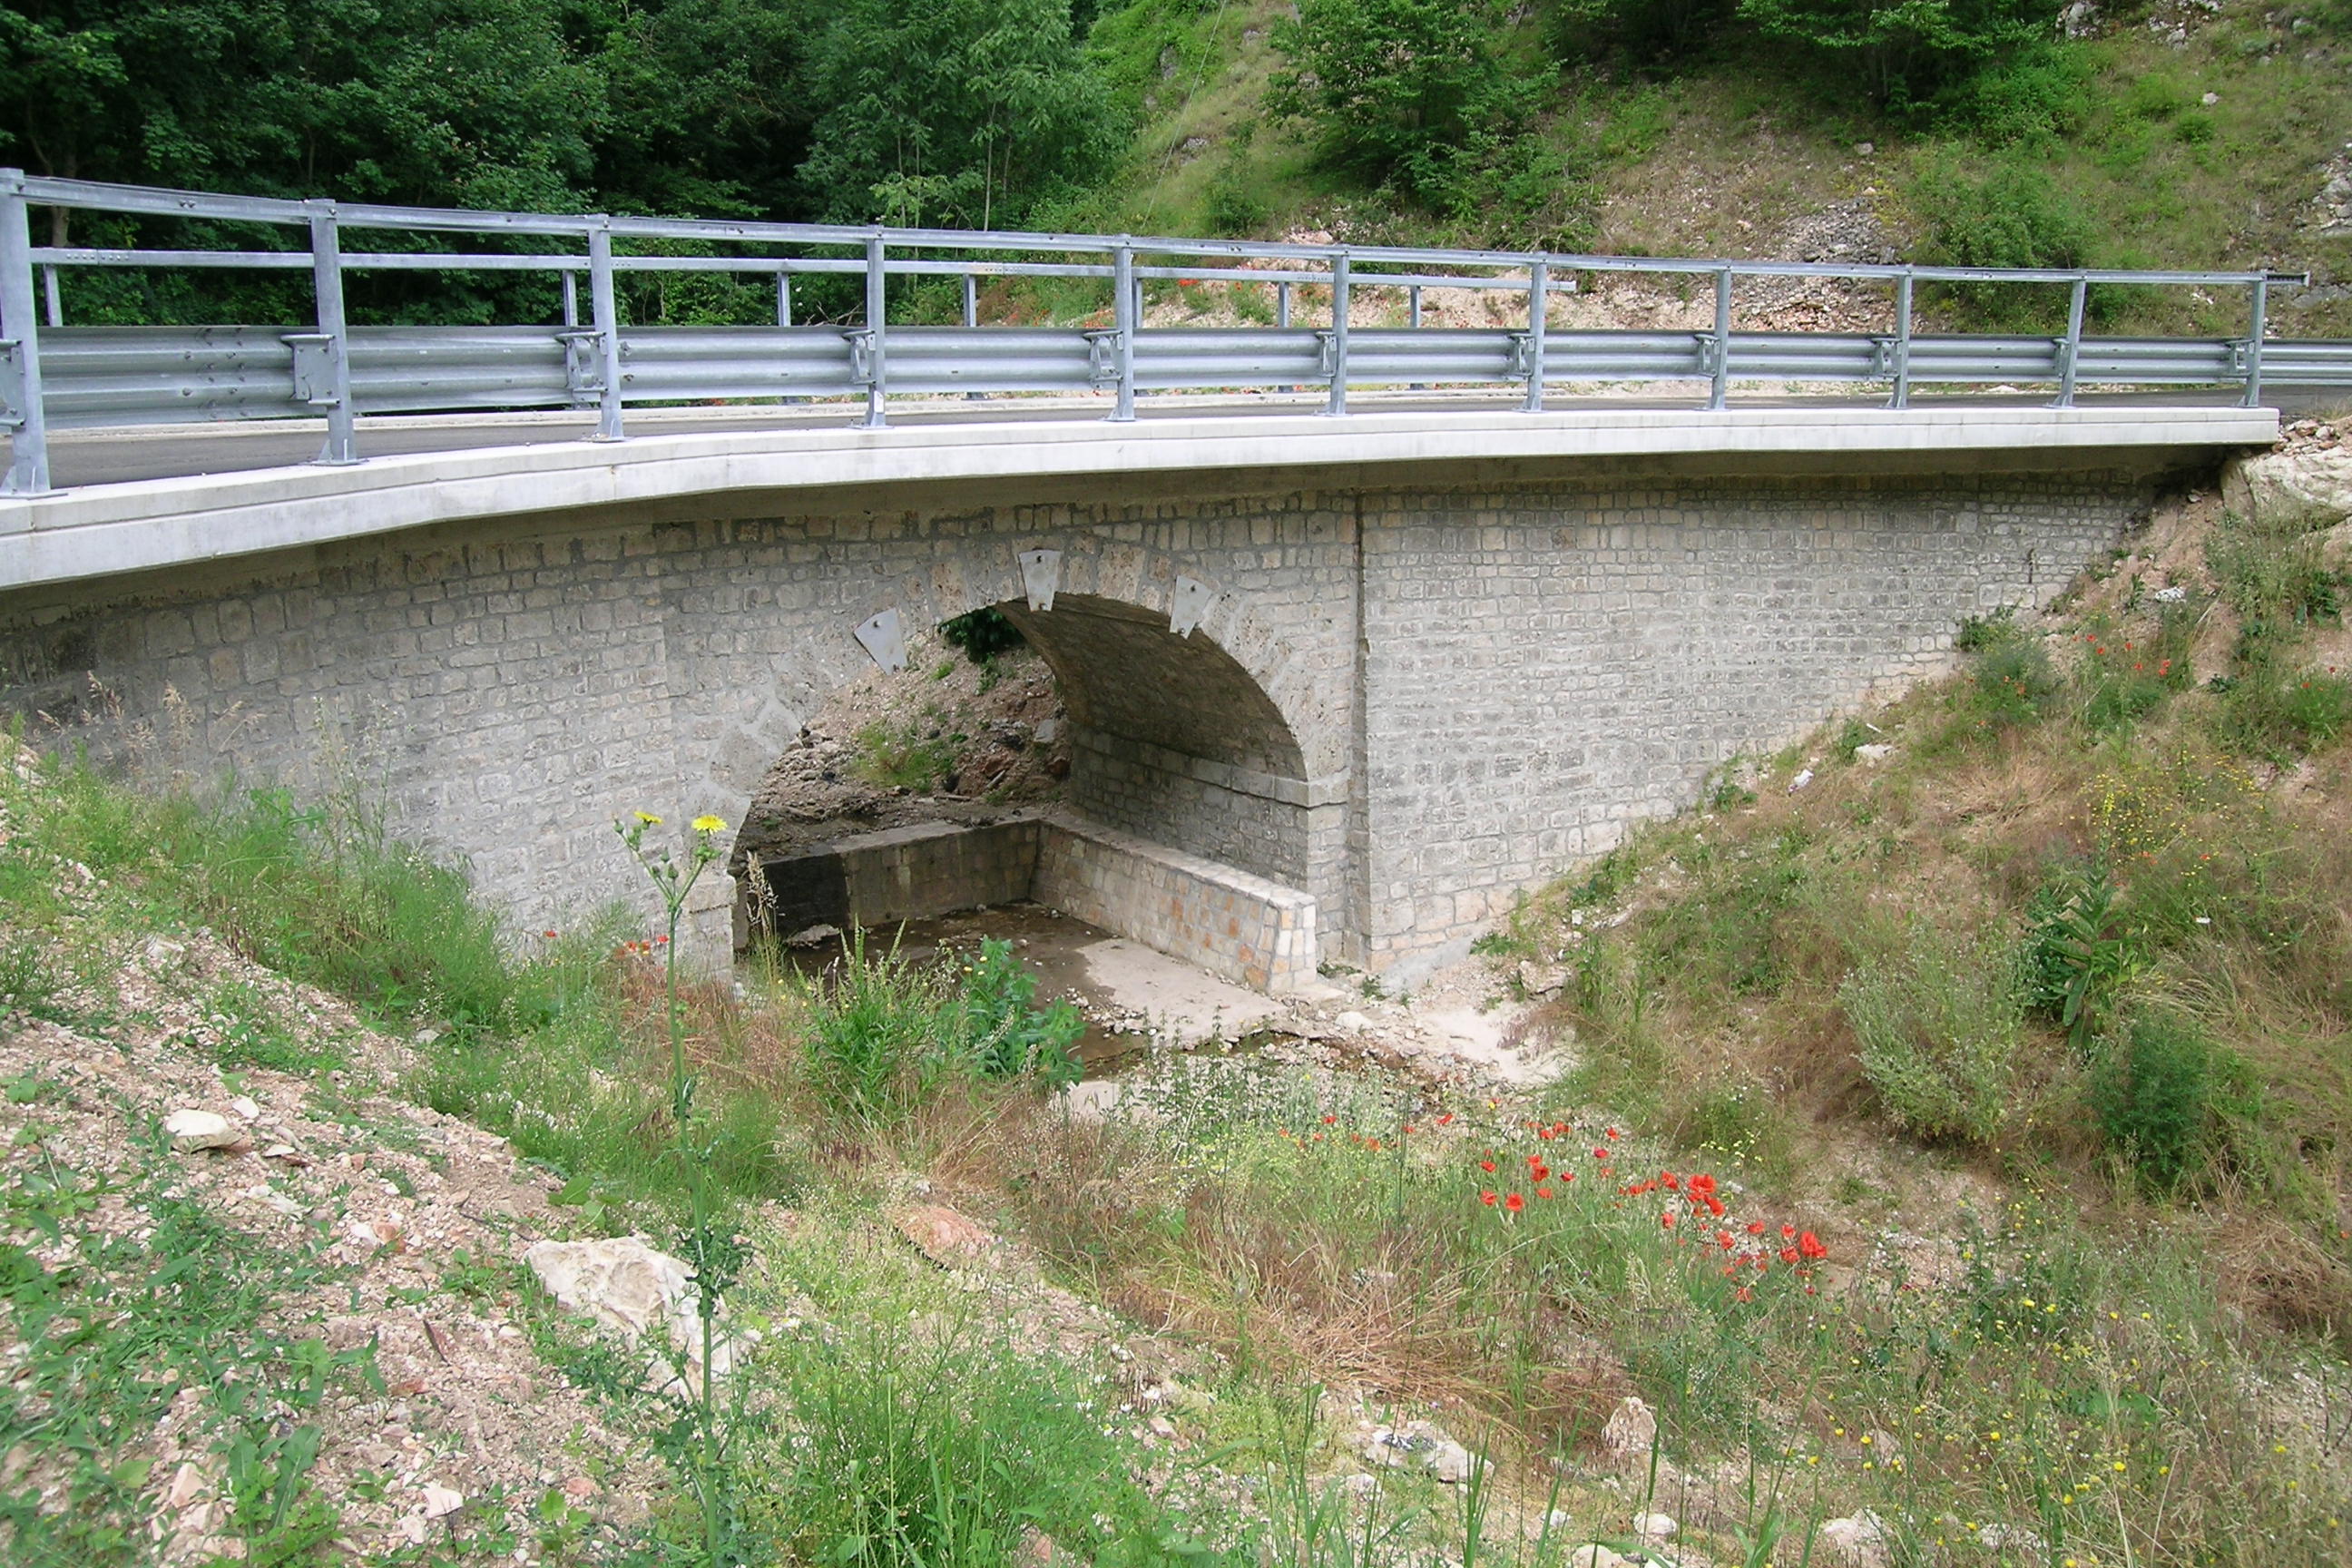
(970, 300)
(783, 298)
(327, 280)
(1339, 401)
(877, 308)
(1282, 306)
(1127, 315)
(2262, 287)
(2069, 350)
(1720, 392)
(1903, 341)
(28, 466)
(53, 296)
(1539, 309)
(571, 297)
(1413, 307)
(606, 310)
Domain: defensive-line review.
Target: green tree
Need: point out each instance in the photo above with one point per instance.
(952, 113)
(1903, 51)
(1398, 91)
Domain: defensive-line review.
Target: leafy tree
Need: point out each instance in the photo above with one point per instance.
(1645, 29)
(1399, 89)
(955, 113)
(1904, 49)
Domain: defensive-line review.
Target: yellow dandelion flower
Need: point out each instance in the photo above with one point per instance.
(708, 824)
(649, 819)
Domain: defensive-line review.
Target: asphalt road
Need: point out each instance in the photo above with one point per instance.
(96, 458)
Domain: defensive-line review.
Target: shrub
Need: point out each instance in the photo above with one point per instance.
(1002, 1033)
(2011, 213)
(2154, 1094)
(2013, 678)
(1901, 54)
(2078, 956)
(1937, 1027)
(983, 633)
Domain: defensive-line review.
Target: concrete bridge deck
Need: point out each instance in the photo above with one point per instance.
(155, 498)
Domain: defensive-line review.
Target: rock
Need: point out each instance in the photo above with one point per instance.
(2317, 481)
(2079, 19)
(245, 1106)
(1162, 1427)
(1631, 1432)
(1424, 1444)
(1541, 979)
(1362, 1485)
(2171, 596)
(946, 1238)
(1354, 1023)
(1558, 1519)
(2210, 100)
(1653, 1526)
(1864, 149)
(1594, 1556)
(438, 1502)
(810, 936)
(1856, 1541)
(1804, 776)
(191, 1130)
(1048, 731)
(1873, 754)
(628, 1286)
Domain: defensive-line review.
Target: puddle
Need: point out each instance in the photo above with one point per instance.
(1131, 993)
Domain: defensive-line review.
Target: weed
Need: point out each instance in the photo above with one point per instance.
(1939, 1028)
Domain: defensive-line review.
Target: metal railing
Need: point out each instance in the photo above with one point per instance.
(55, 374)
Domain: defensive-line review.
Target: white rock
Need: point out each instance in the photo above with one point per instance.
(1594, 1556)
(629, 1287)
(1653, 1526)
(192, 1130)
(441, 1500)
(1804, 776)
(1558, 1519)
(1048, 731)
(1541, 979)
(1423, 1443)
(1858, 1541)
(1873, 754)
(1631, 1431)
(2210, 100)
(244, 1106)
(2319, 481)
(1356, 1023)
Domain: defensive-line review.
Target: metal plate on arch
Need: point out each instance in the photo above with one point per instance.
(884, 637)
(1191, 605)
(1041, 574)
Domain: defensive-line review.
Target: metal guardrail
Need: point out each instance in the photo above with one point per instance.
(51, 374)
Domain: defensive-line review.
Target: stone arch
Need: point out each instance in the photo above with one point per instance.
(1220, 742)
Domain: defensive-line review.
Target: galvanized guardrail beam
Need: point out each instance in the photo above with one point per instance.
(52, 374)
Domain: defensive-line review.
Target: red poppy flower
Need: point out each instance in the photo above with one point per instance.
(1788, 1255)
(1487, 1166)
(1613, 1132)
(1600, 1153)
(1567, 1175)
(1744, 1295)
(1515, 1203)
(1486, 1198)
(1756, 1228)
(1671, 1181)
(1788, 1230)
(1444, 1119)
(1329, 1120)
(1668, 1219)
(1811, 1246)
(1543, 1192)
(1374, 1145)
(1540, 1171)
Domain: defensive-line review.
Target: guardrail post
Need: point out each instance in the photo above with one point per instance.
(970, 300)
(2071, 345)
(877, 308)
(52, 296)
(783, 298)
(1338, 403)
(1413, 307)
(571, 297)
(2262, 289)
(1539, 309)
(1128, 314)
(606, 310)
(1903, 341)
(28, 466)
(1720, 392)
(327, 280)
(1282, 306)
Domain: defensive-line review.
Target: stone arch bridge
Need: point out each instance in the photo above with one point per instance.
(1385, 672)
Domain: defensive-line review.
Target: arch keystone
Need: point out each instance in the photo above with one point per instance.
(1040, 575)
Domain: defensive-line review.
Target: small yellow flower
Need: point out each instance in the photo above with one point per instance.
(708, 824)
(649, 819)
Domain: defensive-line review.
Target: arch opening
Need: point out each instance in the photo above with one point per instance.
(1153, 789)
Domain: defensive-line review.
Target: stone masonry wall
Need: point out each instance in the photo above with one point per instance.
(1546, 666)
(1228, 923)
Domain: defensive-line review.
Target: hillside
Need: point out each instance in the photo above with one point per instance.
(2174, 135)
